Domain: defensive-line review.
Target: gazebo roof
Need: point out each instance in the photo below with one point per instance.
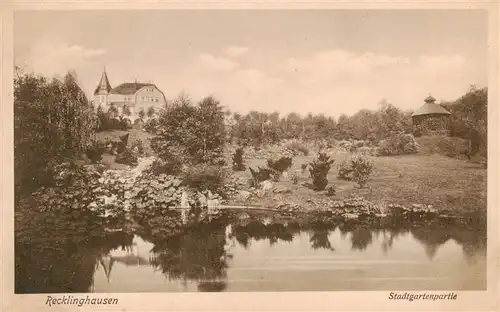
(431, 108)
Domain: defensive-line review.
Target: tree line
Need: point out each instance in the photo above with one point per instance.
(256, 128)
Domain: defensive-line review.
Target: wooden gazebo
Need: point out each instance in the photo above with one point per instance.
(431, 118)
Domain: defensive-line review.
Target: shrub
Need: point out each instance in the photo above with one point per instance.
(399, 144)
(260, 175)
(319, 170)
(150, 125)
(95, 151)
(297, 147)
(107, 121)
(331, 190)
(443, 145)
(170, 166)
(138, 146)
(126, 158)
(281, 162)
(408, 144)
(362, 168)
(238, 163)
(204, 177)
(295, 178)
(121, 145)
(280, 165)
(449, 148)
(345, 171)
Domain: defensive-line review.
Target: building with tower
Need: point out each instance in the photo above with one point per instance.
(128, 99)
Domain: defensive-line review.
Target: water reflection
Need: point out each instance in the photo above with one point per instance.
(431, 239)
(389, 236)
(257, 231)
(204, 255)
(54, 268)
(361, 238)
(212, 286)
(199, 255)
(319, 237)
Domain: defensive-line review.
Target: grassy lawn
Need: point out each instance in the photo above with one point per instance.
(445, 183)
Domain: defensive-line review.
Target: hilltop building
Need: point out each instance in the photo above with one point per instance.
(431, 118)
(129, 98)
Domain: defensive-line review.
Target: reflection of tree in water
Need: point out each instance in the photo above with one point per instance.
(258, 231)
(319, 238)
(241, 237)
(53, 254)
(212, 286)
(54, 268)
(361, 238)
(432, 239)
(115, 240)
(344, 231)
(389, 236)
(198, 255)
(474, 244)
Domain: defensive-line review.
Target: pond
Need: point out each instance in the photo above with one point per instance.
(277, 256)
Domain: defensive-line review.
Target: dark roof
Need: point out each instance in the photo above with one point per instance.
(431, 108)
(130, 87)
(103, 84)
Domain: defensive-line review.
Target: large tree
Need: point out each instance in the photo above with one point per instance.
(53, 121)
(469, 118)
(194, 132)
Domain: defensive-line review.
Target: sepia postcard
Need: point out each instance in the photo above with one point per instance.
(270, 156)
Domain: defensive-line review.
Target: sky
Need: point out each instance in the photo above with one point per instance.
(320, 61)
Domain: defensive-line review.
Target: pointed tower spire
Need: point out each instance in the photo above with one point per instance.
(104, 86)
